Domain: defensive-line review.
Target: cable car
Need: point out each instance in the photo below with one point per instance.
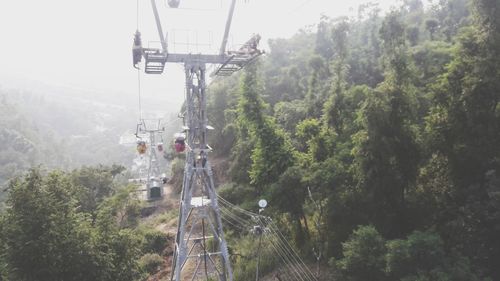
(154, 189)
(174, 3)
(180, 142)
(141, 147)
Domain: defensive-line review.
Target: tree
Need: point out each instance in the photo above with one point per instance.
(422, 257)
(453, 15)
(432, 26)
(324, 46)
(45, 238)
(317, 89)
(333, 108)
(464, 127)
(93, 185)
(364, 253)
(365, 47)
(421, 252)
(413, 33)
(386, 149)
(288, 114)
(273, 153)
(289, 195)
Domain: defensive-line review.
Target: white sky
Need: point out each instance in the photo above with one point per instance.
(87, 44)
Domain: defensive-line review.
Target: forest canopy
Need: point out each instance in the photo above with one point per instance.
(375, 140)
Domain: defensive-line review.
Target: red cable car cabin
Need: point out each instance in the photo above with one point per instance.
(180, 143)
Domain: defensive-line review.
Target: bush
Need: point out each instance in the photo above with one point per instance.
(245, 260)
(420, 252)
(364, 254)
(422, 257)
(177, 174)
(155, 242)
(151, 263)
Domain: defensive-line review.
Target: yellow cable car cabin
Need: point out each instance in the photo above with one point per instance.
(141, 147)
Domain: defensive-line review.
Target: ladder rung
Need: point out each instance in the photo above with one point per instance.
(202, 255)
(200, 238)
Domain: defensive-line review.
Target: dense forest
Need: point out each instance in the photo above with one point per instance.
(374, 138)
(376, 141)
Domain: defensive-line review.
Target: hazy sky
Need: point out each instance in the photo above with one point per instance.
(87, 44)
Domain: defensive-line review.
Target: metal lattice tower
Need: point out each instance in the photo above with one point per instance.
(200, 238)
(152, 128)
(198, 209)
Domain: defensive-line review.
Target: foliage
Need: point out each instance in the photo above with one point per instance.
(245, 258)
(43, 232)
(155, 241)
(272, 153)
(47, 236)
(93, 185)
(386, 120)
(178, 174)
(150, 263)
(421, 256)
(363, 255)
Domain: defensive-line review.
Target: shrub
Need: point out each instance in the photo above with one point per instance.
(150, 263)
(155, 241)
(364, 254)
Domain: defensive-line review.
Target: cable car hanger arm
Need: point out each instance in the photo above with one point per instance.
(158, 25)
(228, 27)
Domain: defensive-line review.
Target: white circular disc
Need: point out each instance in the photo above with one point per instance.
(262, 203)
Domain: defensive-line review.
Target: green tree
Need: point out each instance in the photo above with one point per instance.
(464, 127)
(333, 108)
(93, 185)
(45, 238)
(324, 42)
(432, 26)
(413, 33)
(386, 149)
(422, 257)
(317, 89)
(48, 238)
(119, 249)
(273, 153)
(364, 253)
(289, 195)
(365, 47)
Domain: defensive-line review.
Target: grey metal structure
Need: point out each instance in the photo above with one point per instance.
(200, 237)
(199, 211)
(154, 181)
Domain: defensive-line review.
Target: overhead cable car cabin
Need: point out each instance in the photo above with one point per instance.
(154, 189)
(141, 147)
(180, 143)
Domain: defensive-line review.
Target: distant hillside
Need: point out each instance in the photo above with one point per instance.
(64, 128)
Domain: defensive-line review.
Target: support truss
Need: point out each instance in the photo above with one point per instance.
(199, 212)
